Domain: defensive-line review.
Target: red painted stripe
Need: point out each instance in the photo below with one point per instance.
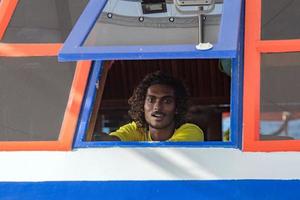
(279, 46)
(7, 8)
(251, 75)
(29, 50)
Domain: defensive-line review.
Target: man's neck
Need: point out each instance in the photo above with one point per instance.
(161, 134)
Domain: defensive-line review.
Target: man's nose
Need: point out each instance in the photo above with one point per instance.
(157, 106)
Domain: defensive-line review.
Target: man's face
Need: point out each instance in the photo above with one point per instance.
(160, 107)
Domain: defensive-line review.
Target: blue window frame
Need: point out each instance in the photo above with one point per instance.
(228, 46)
(235, 110)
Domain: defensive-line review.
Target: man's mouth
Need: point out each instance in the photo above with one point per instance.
(158, 115)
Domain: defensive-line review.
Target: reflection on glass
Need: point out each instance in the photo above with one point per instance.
(280, 97)
(226, 126)
(124, 22)
(43, 21)
(280, 19)
(33, 97)
(280, 125)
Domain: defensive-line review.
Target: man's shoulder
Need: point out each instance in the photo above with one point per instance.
(189, 126)
(130, 127)
(188, 132)
(128, 132)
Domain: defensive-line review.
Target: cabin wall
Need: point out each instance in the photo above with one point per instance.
(148, 164)
(123, 172)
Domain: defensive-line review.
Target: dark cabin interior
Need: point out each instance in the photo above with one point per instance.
(209, 87)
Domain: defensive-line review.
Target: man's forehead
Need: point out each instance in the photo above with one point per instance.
(161, 90)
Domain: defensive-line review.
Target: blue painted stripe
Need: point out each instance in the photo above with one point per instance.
(230, 24)
(144, 52)
(240, 79)
(130, 190)
(206, 144)
(236, 100)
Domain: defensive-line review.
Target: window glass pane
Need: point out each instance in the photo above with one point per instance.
(124, 23)
(280, 97)
(280, 19)
(43, 21)
(33, 97)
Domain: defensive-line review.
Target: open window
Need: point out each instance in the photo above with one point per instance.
(208, 85)
(140, 41)
(271, 100)
(40, 98)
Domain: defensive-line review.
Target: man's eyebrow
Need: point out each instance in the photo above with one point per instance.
(149, 95)
(166, 96)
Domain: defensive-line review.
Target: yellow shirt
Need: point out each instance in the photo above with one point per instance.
(185, 133)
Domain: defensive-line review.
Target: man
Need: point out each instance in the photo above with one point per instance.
(158, 107)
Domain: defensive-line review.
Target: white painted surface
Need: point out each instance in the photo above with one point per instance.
(148, 164)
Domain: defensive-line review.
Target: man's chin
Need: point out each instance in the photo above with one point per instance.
(156, 127)
(159, 126)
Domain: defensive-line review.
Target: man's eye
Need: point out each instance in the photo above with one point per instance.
(150, 99)
(168, 101)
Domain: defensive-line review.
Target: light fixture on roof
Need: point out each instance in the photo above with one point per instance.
(154, 6)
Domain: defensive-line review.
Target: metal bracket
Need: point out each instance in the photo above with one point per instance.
(204, 7)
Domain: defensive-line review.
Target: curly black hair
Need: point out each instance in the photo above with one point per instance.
(137, 100)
